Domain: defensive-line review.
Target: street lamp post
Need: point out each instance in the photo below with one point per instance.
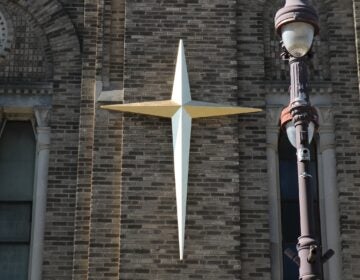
(297, 24)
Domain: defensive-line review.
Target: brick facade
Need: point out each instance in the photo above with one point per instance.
(111, 211)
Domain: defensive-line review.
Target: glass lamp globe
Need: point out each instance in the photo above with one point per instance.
(297, 37)
(291, 132)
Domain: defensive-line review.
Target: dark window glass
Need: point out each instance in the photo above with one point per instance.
(290, 217)
(15, 222)
(17, 161)
(17, 158)
(14, 260)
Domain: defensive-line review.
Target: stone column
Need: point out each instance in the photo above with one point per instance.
(272, 137)
(40, 191)
(1, 120)
(329, 191)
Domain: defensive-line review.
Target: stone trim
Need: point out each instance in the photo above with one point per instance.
(111, 96)
(41, 88)
(328, 193)
(2, 122)
(40, 191)
(272, 138)
(356, 10)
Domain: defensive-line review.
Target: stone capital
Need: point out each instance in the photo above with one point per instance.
(326, 128)
(272, 125)
(42, 116)
(326, 116)
(273, 113)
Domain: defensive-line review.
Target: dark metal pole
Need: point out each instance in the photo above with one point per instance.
(308, 247)
(309, 254)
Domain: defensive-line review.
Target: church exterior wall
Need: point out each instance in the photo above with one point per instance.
(111, 211)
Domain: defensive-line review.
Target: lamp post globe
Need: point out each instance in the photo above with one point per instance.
(297, 37)
(297, 24)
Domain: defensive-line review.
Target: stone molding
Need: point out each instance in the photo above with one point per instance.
(272, 136)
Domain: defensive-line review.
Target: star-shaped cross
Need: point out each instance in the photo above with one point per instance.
(181, 109)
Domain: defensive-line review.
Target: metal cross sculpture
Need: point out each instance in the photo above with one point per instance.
(181, 109)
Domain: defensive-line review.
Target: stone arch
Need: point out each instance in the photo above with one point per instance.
(63, 43)
(28, 58)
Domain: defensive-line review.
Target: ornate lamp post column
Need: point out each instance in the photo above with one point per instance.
(297, 24)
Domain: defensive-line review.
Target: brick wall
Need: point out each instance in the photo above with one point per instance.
(347, 126)
(104, 249)
(254, 238)
(149, 243)
(111, 210)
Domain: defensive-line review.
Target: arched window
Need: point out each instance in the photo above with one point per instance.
(17, 164)
(289, 198)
